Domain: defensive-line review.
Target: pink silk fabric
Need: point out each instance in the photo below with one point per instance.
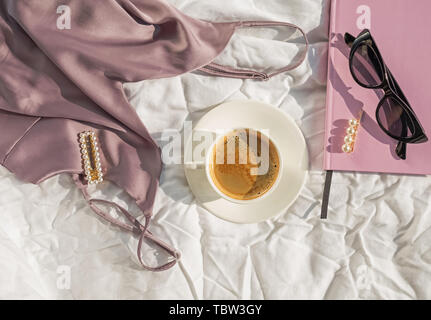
(56, 83)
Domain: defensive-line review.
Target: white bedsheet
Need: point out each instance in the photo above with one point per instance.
(375, 244)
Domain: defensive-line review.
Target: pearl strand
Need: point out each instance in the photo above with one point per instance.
(350, 138)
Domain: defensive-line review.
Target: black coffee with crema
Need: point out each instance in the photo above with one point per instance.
(245, 164)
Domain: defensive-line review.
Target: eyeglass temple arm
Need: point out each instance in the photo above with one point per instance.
(349, 39)
(397, 87)
(401, 149)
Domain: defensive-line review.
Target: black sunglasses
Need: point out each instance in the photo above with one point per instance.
(394, 113)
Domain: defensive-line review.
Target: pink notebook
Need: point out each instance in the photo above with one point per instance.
(401, 29)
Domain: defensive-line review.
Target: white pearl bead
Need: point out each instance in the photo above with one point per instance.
(353, 122)
(347, 149)
(348, 139)
(351, 131)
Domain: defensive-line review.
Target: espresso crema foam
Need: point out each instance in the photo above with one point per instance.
(245, 164)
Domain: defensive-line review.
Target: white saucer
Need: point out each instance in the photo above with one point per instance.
(287, 136)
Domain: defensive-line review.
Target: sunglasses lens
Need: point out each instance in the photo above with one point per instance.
(394, 119)
(367, 67)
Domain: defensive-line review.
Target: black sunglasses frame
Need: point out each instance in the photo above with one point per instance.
(392, 91)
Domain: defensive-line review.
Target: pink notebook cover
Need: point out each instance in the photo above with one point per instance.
(401, 29)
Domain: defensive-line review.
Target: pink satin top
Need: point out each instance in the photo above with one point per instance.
(55, 84)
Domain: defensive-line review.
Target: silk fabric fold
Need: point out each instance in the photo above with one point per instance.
(56, 83)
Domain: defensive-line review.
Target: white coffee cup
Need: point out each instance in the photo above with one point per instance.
(209, 162)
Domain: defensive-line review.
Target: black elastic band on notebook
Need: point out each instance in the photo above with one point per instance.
(326, 193)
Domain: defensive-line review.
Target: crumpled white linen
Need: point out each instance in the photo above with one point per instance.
(375, 244)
